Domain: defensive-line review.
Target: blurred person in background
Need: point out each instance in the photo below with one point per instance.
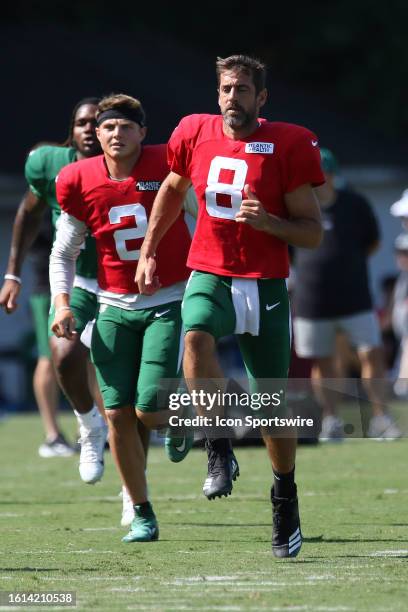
(390, 340)
(73, 370)
(400, 313)
(332, 295)
(45, 385)
(400, 298)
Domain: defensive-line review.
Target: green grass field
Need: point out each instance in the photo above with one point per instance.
(59, 534)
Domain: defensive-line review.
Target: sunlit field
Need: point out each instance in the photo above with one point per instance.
(58, 534)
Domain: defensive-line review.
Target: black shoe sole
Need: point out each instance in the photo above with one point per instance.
(224, 492)
(282, 552)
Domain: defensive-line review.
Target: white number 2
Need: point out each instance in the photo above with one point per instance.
(234, 190)
(137, 211)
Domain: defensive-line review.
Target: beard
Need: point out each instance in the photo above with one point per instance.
(241, 119)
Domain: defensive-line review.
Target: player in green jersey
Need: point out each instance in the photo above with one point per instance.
(70, 359)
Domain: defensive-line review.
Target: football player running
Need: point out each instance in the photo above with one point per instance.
(136, 340)
(254, 183)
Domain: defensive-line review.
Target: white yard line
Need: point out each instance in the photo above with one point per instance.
(389, 553)
(102, 529)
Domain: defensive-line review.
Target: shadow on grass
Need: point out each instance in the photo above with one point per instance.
(360, 540)
(320, 539)
(57, 502)
(44, 569)
(251, 540)
(219, 524)
(29, 569)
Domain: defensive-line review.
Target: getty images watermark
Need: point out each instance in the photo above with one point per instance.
(242, 407)
(225, 409)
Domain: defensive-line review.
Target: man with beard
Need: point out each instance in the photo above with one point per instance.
(74, 371)
(253, 180)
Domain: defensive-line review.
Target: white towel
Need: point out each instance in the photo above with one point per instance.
(86, 336)
(245, 297)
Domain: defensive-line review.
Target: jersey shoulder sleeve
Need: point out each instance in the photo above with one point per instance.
(68, 190)
(35, 170)
(300, 156)
(182, 142)
(43, 165)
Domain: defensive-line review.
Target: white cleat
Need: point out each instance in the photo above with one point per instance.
(128, 512)
(383, 427)
(332, 429)
(91, 464)
(58, 447)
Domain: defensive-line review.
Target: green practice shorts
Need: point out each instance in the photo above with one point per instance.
(84, 305)
(40, 308)
(208, 306)
(133, 350)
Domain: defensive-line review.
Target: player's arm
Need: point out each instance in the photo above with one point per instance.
(70, 235)
(303, 228)
(26, 227)
(166, 208)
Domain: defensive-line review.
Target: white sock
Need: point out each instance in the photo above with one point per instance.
(89, 420)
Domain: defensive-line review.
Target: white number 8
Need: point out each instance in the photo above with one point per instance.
(240, 168)
(137, 211)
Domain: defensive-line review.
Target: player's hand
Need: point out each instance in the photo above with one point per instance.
(63, 325)
(147, 281)
(252, 212)
(9, 294)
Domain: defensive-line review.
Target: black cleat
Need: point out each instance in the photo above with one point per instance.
(286, 534)
(222, 468)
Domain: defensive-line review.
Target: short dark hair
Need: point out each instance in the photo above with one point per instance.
(122, 102)
(254, 67)
(92, 101)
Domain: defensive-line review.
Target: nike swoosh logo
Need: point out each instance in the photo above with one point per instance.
(160, 314)
(182, 446)
(314, 143)
(272, 306)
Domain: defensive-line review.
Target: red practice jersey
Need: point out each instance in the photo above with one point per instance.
(274, 160)
(117, 214)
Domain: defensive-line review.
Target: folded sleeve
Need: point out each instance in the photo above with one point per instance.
(179, 150)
